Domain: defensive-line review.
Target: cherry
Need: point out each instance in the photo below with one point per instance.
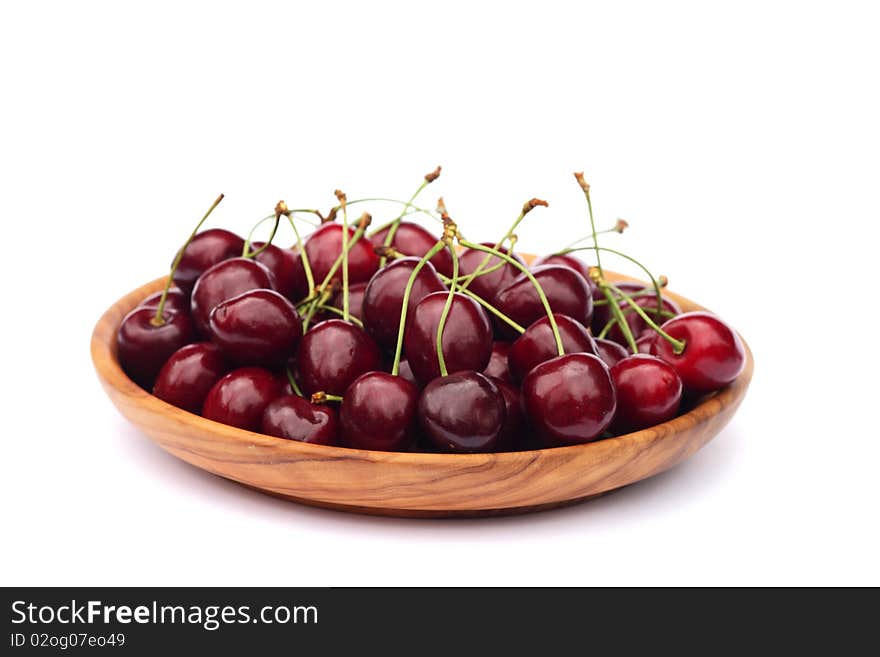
(487, 286)
(467, 336)
(412, 240)
(637, 324)
(643, 344)
(610, 352)
(240, 397)
(498, 367)
(566, 290)
(538, 344)
(648, 392)
(257, 327)
(143, 345)
(324, 246)
(295, 418)
(333, 354)
(515, 429)
(462, 412)
(223, 281)
(287, 268)
(176, 300)
(378, 412)
(602, 313)
(405, 372)
(567, 260)
(189, 374)
(355, 300)
(569, 399)
(713, 354)
(204, 251)
(383, 297)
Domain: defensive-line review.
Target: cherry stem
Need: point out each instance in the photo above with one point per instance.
(159, 318)
(434, 250)
(304, 257)
(395, 224)
(247, 242)
(614, 229)
(337, 311)
(677, 345)
(654, 283)
(532, 279)
(292, 382)
(324, 397)
(446, 308)
(488, 306)
(617, 313)
(586, 187)
(626, 311)
(345, 313)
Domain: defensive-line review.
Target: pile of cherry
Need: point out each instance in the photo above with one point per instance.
(402, 340)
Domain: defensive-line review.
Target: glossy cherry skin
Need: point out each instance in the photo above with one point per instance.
(713, 355)
(567, 260)
(648, 393)
(467, 336)
(189, 374)
(324, 246)
(333, 354)
(515, 429)
(383, 298)
(486, 286)
(637, 325)
(286, 266)
(405, 372)
(498, 367)
(257, 327)
(538, 344)
(240, 397)
(569, 399)
(378, 411)
(602, 313)
(462, 412)
(610, 352)
(566, 291)
(223, 281)
(295, 418)
(355, 300)
(204, 251)
(176, 300)
(413, 240)
(143, 348)
(644, 343)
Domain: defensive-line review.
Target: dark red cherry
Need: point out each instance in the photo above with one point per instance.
(176, 300)
(462, 412)
(405, 372)
(257, 327)
(286, 266)
(601, 312)
(538, 344)
(648, 392)
(637, 325)
(713, 355)
(333, 354)
(204, 251)
(488, 285)
(498, 367)
(644, 343)
(570, 399)
(378, 411)
(223, 281)
(567, 260)
(239, 398)
(467, 336)
(383, 297)
(324, 246)
(413, 240)
(566, 291)
(143, 348)
(295, 418)
(610, 352)
(189, 374)
(355, 300)
(515, 430)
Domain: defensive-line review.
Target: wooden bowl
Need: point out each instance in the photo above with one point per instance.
(410, 484)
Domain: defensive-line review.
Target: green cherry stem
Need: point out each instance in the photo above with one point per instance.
(159, 318)
(618, 227)
(532, 279)
(604, 286)
(324, 397)
(337, 311)
(304, 257)
(341, 196)
(392, 229)
(586, 187)
(654, 282)
(626, 311)
(280, 209)
(292, 382)
(488, 306)
(677, 345)
(446, 308)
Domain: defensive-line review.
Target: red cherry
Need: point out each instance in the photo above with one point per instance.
(204, 251)
(514, 432)
(643, 344)
(486, 286)
(333, 354)
(462, 412)
(648, 392)
(498, 367)
(324, 246)
(567, 260)
(610, 352)
(467, 336)
(189, 374)
(287, 268)
(142, 347)
(405, 372)
(257, 327)
(294, 418)
(223, 281)
(355, 300)
(383, 297)
(713, 355)
(378, 412)
(413, 240)
(566, 291)
(569, 399)
(538, 344)
(176, 300)
(637, 325)
(239, 398)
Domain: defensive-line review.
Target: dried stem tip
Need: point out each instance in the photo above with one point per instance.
(450, 229)
(621, 225)
(365, 220)
(431, 177)
(531, 204)
(331, 215)
(662, 281)
(596, 277)
(281, 209)
(319, 398)
(441, 206)
(387, 252)
(340, 196)
(579, 176)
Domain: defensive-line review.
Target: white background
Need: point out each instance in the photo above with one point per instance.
(741, 141)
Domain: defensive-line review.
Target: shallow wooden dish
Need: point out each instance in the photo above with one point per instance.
(409, 484)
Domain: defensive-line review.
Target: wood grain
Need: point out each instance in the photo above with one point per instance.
(409, 484)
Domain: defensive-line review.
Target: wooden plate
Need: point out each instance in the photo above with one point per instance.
(409, 484)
